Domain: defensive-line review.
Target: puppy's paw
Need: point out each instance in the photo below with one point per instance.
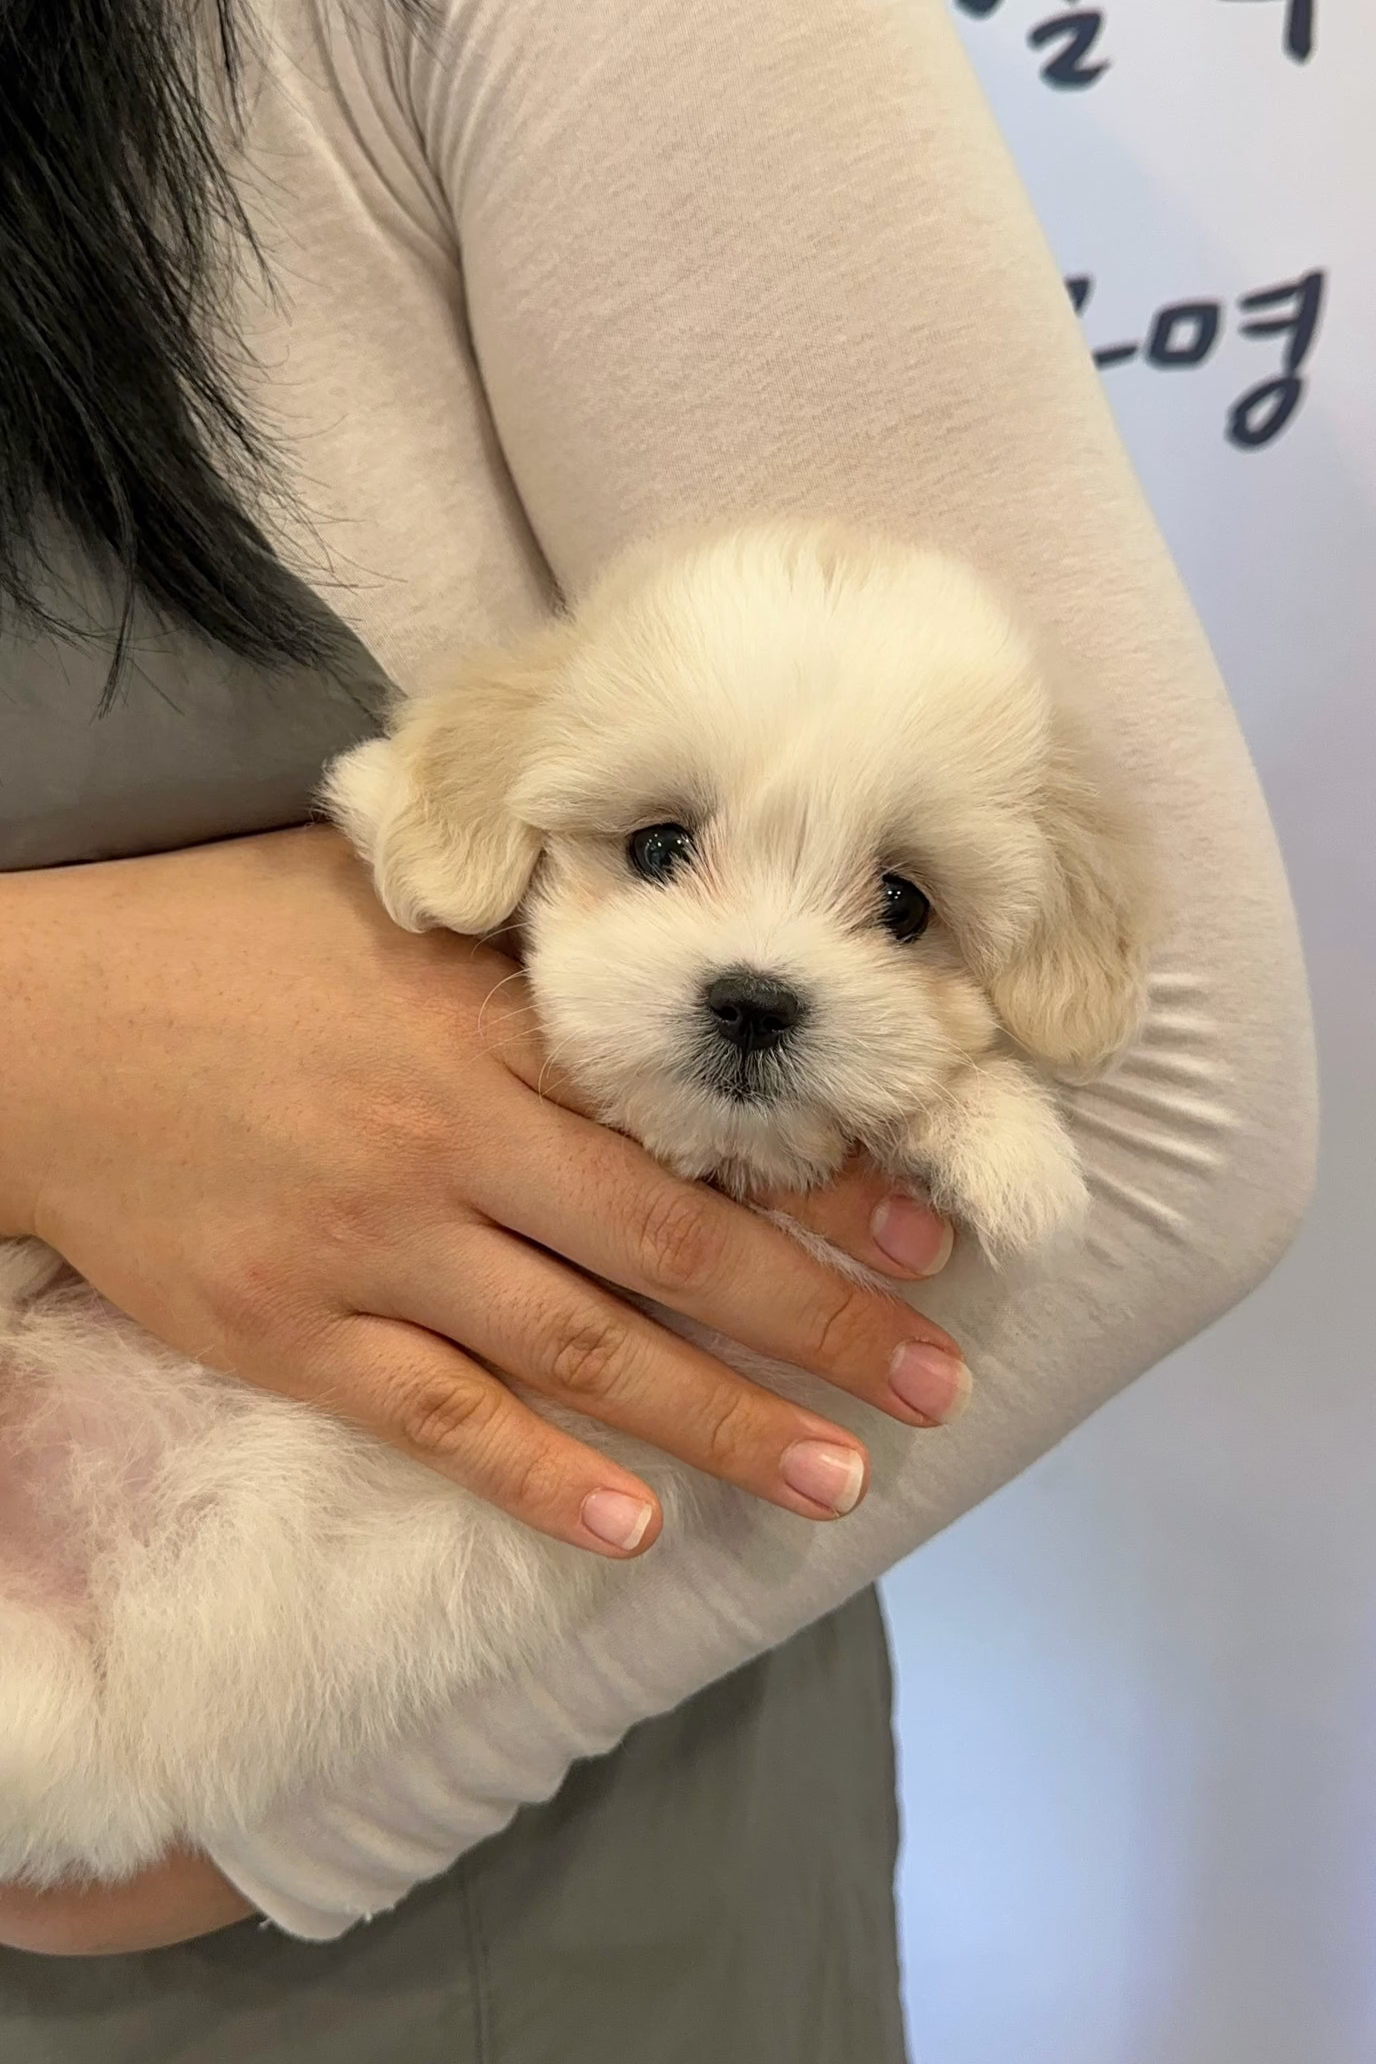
(997, 1157)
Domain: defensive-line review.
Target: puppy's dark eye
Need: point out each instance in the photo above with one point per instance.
(659, 850)
(903, 908)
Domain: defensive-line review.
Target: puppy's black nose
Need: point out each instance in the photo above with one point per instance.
(752, 1012)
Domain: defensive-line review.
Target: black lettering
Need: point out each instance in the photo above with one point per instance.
(1184, 334)
(1299, 30)
(1077, 34)
(1263, 412)
(1080, 286)
(1291, 311)
(1299, 327)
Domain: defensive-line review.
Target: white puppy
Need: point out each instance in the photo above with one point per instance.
(805, 854)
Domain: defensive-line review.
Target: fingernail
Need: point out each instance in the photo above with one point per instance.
(617, 1518)
(930, 1381)
(830, 1476)
(912, 1236)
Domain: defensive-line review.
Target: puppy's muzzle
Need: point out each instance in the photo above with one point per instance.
(752, 1013)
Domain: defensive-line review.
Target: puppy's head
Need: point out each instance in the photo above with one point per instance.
(796, 837)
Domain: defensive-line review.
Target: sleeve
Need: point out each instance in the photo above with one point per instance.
(747, 256)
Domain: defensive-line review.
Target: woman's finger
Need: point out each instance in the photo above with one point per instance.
(617, 1214)
(522, 1311)
(862, 1214)
(433, 1402)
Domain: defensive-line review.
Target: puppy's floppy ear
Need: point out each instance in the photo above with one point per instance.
(1074, 993)
(428, 806)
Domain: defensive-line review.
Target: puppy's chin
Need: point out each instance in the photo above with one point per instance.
(743, 1145)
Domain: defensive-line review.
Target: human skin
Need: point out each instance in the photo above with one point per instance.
(328, 1157)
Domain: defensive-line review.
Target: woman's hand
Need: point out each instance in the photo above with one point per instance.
(181, 1897)
(309, 1148)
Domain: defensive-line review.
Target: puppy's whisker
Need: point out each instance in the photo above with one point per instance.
(551, 1060)
(516, 975)
(501, 1046)
(497, 1046)
(521, 1010)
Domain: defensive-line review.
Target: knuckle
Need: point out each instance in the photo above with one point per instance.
(397, 1128)
(440, 1418)
(843, 1327)
(247, 1295)
(587, 1358)
(535, 1485)
(733, 1431)
(351, 1220)
(679, 1243)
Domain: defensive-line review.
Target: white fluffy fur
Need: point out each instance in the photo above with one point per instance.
(209, 1595)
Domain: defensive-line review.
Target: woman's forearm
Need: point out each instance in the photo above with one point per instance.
(44, 990)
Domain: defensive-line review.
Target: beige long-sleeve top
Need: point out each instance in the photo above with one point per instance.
(551, 273)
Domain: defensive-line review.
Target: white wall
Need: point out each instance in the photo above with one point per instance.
(1138, 1689)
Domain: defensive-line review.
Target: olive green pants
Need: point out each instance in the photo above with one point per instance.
(718, 1890)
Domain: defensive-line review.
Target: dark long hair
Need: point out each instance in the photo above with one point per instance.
(118, 423)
